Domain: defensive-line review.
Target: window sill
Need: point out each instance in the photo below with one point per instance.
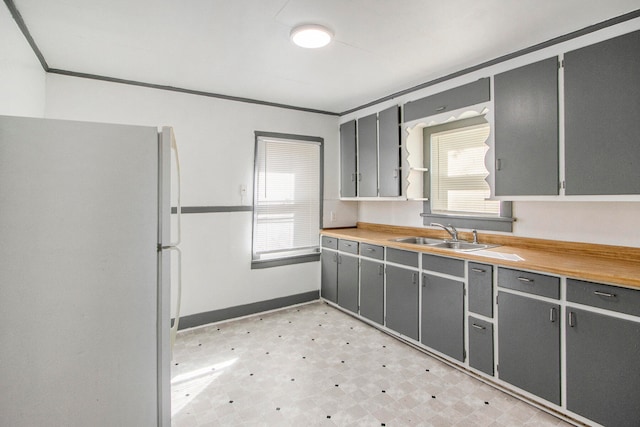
(277, 262)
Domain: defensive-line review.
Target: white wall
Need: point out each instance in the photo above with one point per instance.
(594, 220)
(216, 144)
(22, 79)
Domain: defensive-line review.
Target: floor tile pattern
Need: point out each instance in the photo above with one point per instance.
(315, 365)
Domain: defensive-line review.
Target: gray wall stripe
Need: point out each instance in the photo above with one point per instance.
(213, 209)
(534, 48)
(25, 32)
(200, 319)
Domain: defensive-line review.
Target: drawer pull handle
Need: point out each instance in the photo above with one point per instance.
(552, 315)
(572, 319)
(604, 294)
(524, 279)
(478, 326)
(370, 250)
(478, 270)
(442, 107)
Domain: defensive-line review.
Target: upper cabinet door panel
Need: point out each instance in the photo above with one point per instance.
(368, 156)
(348, 159)
(526, 130)
(452, 99)
(602, 110)
(389, 148)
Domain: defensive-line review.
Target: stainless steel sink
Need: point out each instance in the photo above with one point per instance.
(463, 246)
(444, 244)
(419, 240)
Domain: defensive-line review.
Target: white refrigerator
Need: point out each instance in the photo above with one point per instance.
(85, 273)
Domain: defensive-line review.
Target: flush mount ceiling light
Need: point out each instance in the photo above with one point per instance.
(311, 36)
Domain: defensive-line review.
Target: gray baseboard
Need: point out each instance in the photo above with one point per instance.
(200, 319)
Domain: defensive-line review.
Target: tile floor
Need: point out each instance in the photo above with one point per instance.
(314, 365)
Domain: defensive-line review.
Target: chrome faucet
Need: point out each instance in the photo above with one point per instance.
(449, 229)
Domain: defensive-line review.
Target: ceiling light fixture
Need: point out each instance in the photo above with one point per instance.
(311, 36)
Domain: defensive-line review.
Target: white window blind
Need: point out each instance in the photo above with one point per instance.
(286, 198)
(458, 172)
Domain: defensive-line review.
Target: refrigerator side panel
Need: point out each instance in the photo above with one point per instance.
(78, 273)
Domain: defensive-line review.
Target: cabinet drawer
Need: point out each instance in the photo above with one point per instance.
(608, 297)
(481, 345)
(329, 242)
(452, 99)
(454, 267)
(349, 246)
(531, 283)
(372, 251)
(402, 257)
(481, 289)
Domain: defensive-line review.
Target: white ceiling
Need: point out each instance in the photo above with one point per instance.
(241, 47)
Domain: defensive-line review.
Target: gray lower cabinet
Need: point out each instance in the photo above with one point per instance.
(402, 300)
(602, 130)
(529, 345)
(481, 345)
(348, 282)
(526, 130)
(348, 160)
(368, 156)
(480, 289)
(372, 290)
(329, 276)
(603, 373)
(443, 315)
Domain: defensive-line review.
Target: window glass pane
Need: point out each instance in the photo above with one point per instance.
(286, 199)
(458, 172)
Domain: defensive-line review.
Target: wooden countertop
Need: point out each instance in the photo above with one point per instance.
(618, 265)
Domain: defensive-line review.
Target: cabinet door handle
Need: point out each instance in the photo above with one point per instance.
(478, 270)
(359, 177)
(380, 270)
(395, 173)
(335, 258)
(353, 177)
(604, 294)
(552, 315)
(572, 319)
(477, 326)
(524, 279)
(414, 278)
(498, 164)
(442, 107)
(339, 259)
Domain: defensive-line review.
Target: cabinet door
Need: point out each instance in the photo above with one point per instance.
(402, 301)
(372, 290)
(603, 373)
(526, 130)
(348, 172)
(443, 315)
(389, 148)
(368, 156)
(481, 289)
(348, 282)
(329, 276)
(602, 130)
(481, 345)
(529, 345)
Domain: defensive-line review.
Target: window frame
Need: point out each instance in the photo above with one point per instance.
(292, 259)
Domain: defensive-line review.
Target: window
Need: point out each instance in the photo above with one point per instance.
(287, 200)
(458, 172)
(458, 192)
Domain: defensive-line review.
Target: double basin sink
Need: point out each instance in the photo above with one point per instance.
(460, 246)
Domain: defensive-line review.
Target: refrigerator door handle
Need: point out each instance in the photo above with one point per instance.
(174, 328)
(174, 148)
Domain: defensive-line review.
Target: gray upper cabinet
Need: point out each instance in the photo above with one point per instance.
(402, 301)
(443, 315)
(348, 165)
(452, 99)
(526, 130)
(368, 156)
(603, 374)
(529, 345)
(602, 129)
(389, 148)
